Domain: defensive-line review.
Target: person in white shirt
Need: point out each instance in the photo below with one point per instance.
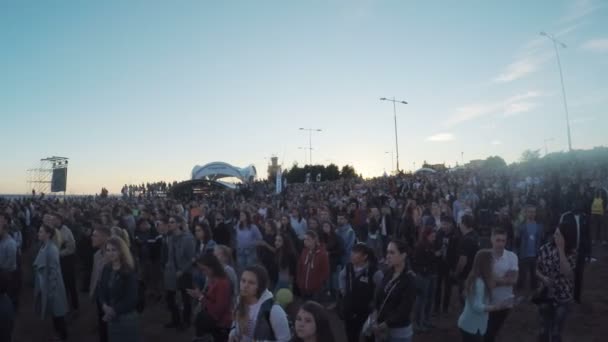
(505, 271)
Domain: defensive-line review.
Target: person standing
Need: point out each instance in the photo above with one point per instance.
(177, 273)
(313, 267)
(49, 290)
(469, 245)
(247, 237)
(257, 317)
(597, 218)
(424, 264)
(528, 243)
(358, 281)
(556, 266)
(505, 269)
(312, 324)
(67, 252)
(117, 292)
(578, 219)
(99, 237)
(7, 310)
(473, 321)
(8, 260)
(447, 243)
(394, 298)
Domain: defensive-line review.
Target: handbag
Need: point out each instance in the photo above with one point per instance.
(541, 295)
(372, 319)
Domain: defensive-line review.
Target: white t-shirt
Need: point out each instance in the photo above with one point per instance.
(506, 263)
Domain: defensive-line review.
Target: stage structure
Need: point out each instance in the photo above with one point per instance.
(218, 170)
(51, 176)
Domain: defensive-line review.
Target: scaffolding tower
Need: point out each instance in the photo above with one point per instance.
(39, 179)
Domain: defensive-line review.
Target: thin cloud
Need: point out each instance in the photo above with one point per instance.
(579, 9)
(496, 142)
(596, 45)
(441, 137)
(516, 104)
(522, 67)
(515, 108)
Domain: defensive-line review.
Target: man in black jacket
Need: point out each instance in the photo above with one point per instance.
(580, 220)
(447, 242)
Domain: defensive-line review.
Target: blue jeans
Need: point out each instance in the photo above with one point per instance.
(245, 257)
(425, 289)
(552, 319)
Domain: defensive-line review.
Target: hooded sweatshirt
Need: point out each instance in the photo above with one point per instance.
(313, 270)
(267, 322)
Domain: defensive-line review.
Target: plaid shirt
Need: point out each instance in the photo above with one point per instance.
(561, 290)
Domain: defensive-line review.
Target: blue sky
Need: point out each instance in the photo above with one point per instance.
(137, 91)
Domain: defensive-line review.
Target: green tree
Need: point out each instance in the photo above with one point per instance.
(494, 162)
(348, 172)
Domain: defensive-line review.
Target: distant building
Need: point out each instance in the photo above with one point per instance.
(273, 167)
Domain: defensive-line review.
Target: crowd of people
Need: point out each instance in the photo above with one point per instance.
(387, 255)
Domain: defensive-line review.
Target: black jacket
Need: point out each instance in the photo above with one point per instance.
(397, 307)
(118, 289)
(583, 249)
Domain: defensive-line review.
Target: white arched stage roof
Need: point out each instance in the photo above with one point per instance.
(217, 170)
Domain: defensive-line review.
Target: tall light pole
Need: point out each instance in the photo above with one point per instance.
(561, 77)
(395, 117)
(392, 162)
(305, 152)
(310, 130)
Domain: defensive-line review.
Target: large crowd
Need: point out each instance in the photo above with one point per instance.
(387, 255)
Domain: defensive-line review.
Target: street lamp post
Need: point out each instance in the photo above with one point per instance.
(310, 130)
(305, 152)
(561, 77)
(392, 162)
(395, 119)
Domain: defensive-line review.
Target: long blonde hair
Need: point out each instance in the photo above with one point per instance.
(121, 233)
(126, 259)
(482, 268)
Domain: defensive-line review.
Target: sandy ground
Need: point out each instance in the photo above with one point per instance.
(587, 323)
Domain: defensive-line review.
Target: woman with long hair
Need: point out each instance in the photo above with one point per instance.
(556, 268)
(286, 260)
(204, 238)
(247, 237)
(204, 244)
(224, 255)
(312, 324)
(424, 264)
(215, 316)
(313, 267)
(286, 228)
(298, 223)
(117, 292)
(335, 249)
(394, 299)
(478, 287)
(266, 249)
(49, 290)
(257, 317)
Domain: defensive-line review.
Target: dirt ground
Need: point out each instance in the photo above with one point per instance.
(587, 323)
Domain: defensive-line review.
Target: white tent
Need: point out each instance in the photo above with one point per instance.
(217, 170)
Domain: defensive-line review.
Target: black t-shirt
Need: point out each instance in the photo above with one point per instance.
(469, 245)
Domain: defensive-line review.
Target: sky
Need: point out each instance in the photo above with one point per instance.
(141, 91)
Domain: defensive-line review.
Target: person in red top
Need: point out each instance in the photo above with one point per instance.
(215, 317)
(313, 267)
